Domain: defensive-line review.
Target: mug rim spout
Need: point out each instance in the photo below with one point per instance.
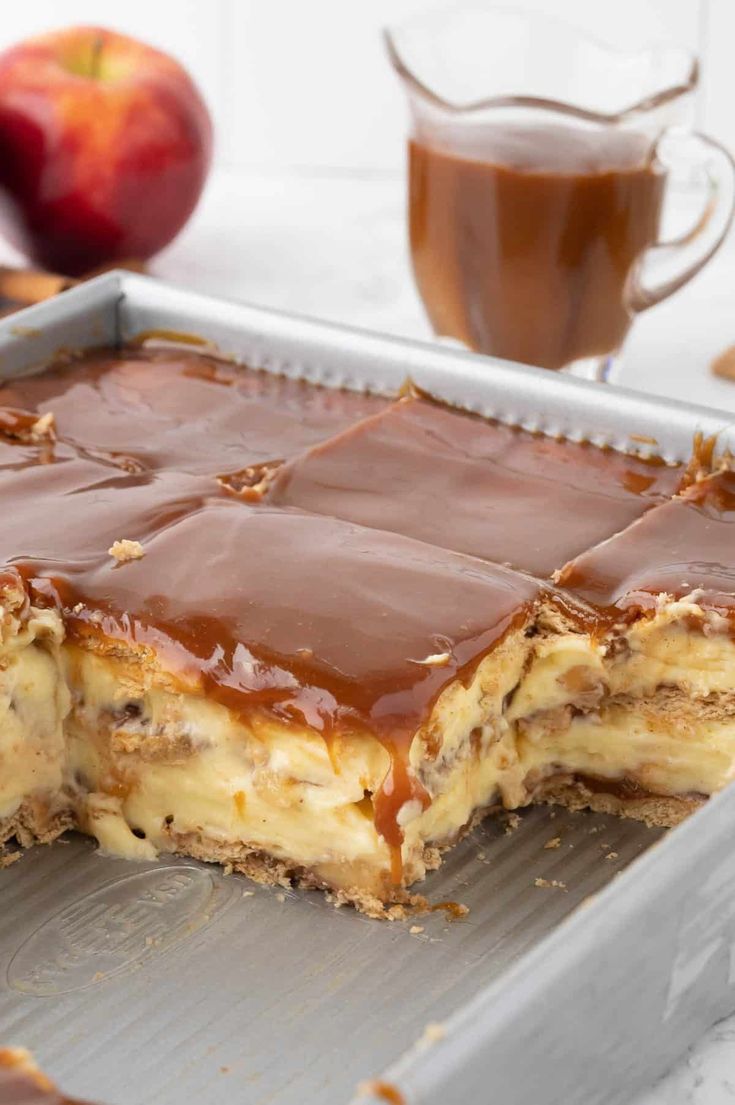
(645, 104)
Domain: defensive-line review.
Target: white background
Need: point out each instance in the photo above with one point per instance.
(305, 209)
(296, 84)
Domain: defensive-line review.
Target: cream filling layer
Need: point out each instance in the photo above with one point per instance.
(149, 767)
(34, 701)
(664, 651)
(673, 756)
(156, 765)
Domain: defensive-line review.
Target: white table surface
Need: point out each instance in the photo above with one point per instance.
(334, 247)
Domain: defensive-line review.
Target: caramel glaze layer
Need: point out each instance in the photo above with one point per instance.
(182, 409)
(683, 547)
(474, 486)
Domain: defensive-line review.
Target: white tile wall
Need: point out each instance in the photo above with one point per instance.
(305, 85)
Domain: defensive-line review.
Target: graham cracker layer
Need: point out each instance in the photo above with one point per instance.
(655, 810)
(32, 824)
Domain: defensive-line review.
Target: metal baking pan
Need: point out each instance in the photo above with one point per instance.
(172, 984)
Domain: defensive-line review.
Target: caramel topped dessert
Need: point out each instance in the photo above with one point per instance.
(315, 635)
(21, 1082)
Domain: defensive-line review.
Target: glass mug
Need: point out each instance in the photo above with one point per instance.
(538, 164)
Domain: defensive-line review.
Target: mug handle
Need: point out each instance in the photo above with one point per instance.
(668, 265)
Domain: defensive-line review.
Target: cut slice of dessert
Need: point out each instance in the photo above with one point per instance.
(661, 601)
(291, 694)
(602, 715)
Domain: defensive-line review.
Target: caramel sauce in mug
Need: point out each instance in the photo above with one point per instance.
(523, 238)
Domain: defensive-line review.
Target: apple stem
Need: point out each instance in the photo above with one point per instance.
(97, 46)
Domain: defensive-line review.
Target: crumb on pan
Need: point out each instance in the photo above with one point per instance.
(125, 550)
(555, 842)
(385, 1091)
(454, 911)
(416, 929)
(433, 1033)
(550, 883)
(43, 427)
(436, 660)
(724, 364)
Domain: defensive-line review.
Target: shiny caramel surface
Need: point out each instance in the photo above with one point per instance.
(345, 591)
(259, 605)
(316, 619)
(62, 511)
(684, 547)
(474, 486)
(182, 409)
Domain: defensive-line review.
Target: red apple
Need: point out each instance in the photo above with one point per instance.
(105, 145)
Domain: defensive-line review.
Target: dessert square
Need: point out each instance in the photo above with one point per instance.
(293, 695)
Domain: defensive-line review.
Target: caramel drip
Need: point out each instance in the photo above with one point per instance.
(399, 787)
